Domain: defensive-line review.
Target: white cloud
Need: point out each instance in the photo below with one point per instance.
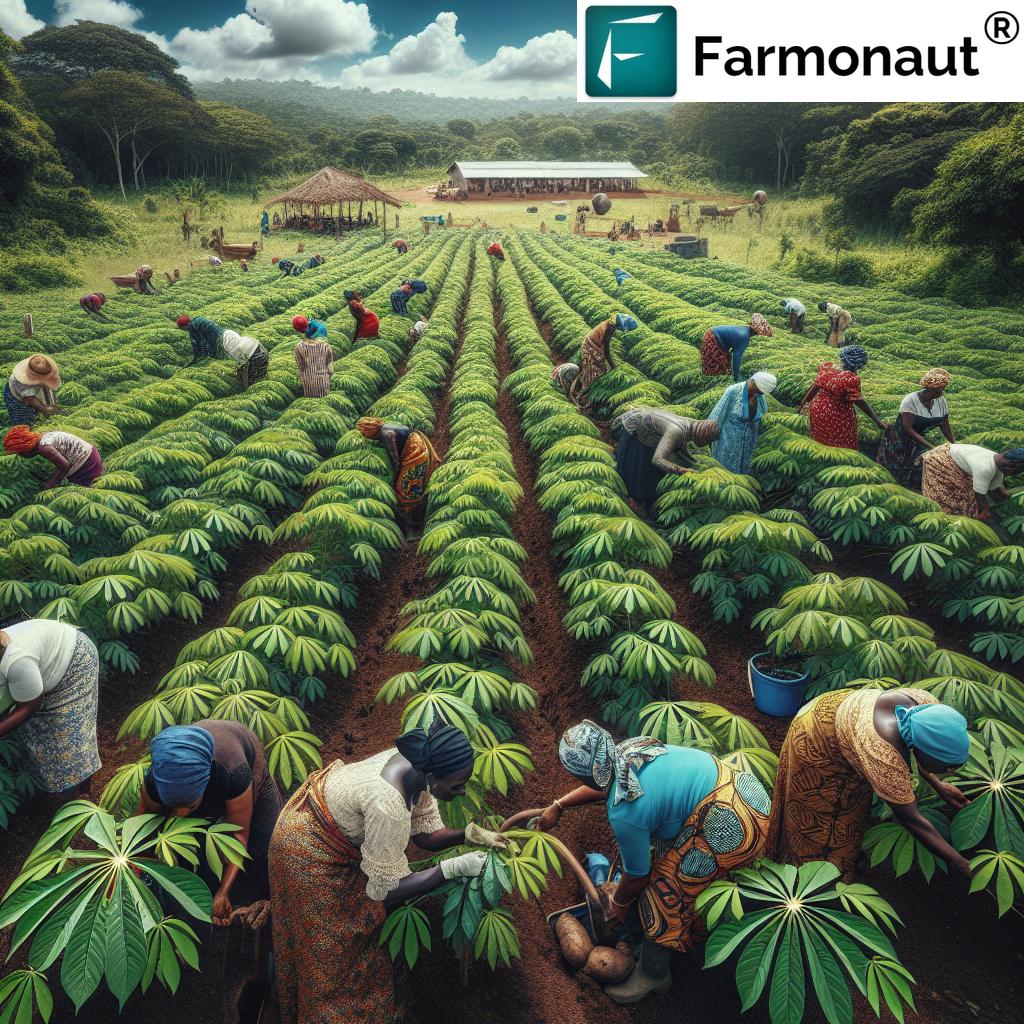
(107, 12)
(435, 61)
(15, 19)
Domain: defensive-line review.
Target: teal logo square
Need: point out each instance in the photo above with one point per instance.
(630, 51)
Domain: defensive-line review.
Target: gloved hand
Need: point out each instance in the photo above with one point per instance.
(466, 865)
(480, 836)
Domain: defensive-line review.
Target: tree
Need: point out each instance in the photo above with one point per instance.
(461, 126)
(565, 143)
(507, 149)
(240, 140)
(75, 52)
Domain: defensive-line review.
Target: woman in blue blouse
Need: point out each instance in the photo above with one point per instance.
(719, 344)
(738, 414)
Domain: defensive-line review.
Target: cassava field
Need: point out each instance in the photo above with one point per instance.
(240, 559)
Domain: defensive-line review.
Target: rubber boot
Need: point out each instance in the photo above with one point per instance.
(651, 976)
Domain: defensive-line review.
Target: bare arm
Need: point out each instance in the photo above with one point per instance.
(953, 796)
(440, 839)
(20, 715)
(947, 430)
(629, 887)
(579, 797)
(863, 405)
(811, 392)
(51, 454)
(911, 818)
(237, 811)
(907, 419)
(34, 403)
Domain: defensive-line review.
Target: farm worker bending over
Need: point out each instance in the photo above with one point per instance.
(218, 770)
(367, 322)
(205, 335)
(141, 281)
(566, 378)
(655, 442)
(838, 320)
(738, 414)
(251, 357)
(73, 458)
(92, 304)
(657, 795)
(295, 269)
(401, 245)
(719, 343)
(413, 459)
(32, 389)
(964, 478)
(495, 250)
(338, 864)
(847, 746)
(314, 358)
(904, 442)
(309, 328)
(401, 296)
(51, 671)
(796, 311)
(621, 276)
(596, 352)
(831, 399)
(419, 328)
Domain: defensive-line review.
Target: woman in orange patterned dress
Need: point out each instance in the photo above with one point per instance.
(847, 746)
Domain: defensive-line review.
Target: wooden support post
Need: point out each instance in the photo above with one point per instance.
(26, 325)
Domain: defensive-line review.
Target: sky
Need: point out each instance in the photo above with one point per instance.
(464, 49)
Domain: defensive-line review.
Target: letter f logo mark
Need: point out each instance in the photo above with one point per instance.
(604, 69)
(630, 51)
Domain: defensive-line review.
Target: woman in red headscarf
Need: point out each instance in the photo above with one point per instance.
(73, 458)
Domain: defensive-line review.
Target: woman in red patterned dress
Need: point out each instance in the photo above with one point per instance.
(831, 399)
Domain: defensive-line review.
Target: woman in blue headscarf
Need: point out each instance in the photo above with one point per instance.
(596, 352)
(847, 746)
(702, 817)
(834, 397)
(217, 770)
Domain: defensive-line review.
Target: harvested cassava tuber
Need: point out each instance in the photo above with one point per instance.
(609, 966)
(573, 939)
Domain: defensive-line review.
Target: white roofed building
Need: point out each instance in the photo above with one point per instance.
(538, 176)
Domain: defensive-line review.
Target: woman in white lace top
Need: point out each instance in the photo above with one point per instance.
(338, 863)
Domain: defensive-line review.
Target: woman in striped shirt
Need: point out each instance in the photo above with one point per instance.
(73, 458)
(315, 360)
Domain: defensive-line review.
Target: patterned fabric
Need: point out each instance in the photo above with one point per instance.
(418, 461)
(60, 737)
(328, 964)
(563, 377)
(833, 417)
(588, 751)
(74, 449)
(936, 378)
(738, 431)
(760, 326)
(714, 360)
(205, 336)
(315, 360)
(18, 411)
(89, 472)
(728, 829)
(254, 369)
(853, 357)
(947, 484)
(901, 454)
(400, 301)
(593, 354)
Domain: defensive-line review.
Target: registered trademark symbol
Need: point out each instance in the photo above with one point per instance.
(1002, 27)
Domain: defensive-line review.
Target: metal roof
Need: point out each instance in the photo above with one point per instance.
(471, 169)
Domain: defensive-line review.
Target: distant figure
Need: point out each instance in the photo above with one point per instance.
(173, 280)
(419, 328)
(32, 389)
(264, 223)
(495, 250)
(72, 458)
(796, 311)
(203, 333)
(401, 245)
(621, 276)
(244, 265)
(277, 219)
(403, 294)
(141, 281)
(309, 328)
(838, 321)
(216, 262)
(93, 305)
(367, 322)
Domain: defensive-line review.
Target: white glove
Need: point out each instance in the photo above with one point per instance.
(477, 835)
(466, 865)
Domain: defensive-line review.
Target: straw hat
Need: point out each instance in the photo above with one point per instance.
(37, 369)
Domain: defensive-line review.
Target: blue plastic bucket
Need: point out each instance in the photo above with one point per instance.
(778, 695)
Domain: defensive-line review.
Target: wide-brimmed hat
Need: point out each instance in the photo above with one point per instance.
(24, 374)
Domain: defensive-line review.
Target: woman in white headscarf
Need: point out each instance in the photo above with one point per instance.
(738, 414)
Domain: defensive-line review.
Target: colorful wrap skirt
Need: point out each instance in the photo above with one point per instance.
(60, 738)
(17, 410)
(418, 461)
(900, 453)
(89, 472)
(328, 964)
(727, 830)
(821, 802)
(714, 360)
(946, 483)
(633, 461)
(592, 362)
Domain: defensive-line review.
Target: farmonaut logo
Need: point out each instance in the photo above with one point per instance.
(630, 51)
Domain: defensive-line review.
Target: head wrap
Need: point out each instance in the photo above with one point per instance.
(853, 357)
(21, 440)
(1014, 454)
(145, 272)
(369, 426)
(621, 275)
(183, 322)
(705, 431)
(274, 259)
(351, 295)
(300, 323)
(758, 325)
(589, 752)
(625, 323)
(937, 379)
(766, 382)
(823, 306)
(182, 761)
(443, 751)
(936, 730)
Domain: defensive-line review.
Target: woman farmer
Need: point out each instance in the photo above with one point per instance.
(73, 458)
(264, 223)
(719, 344)
(32, 389)
(51, 671)
(413, 459)
(566, 378)
(367, 322)
(596, 352)
(419, 328)
(251, 358)
(839, 320)
(848, 745)
(621, 276)
(217, 770)
(315, 360)
(702, 817)
(495, 250)
(402, 295)
(796, 311)
(338, 864)
(904, 442)
(738, 414)
(203, 333)
(964, 478)
(93, 305)
(830, 400)
(141, 281)
(655, 442)
(401, 245)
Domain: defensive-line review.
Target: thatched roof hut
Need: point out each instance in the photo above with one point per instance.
(327, 197)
